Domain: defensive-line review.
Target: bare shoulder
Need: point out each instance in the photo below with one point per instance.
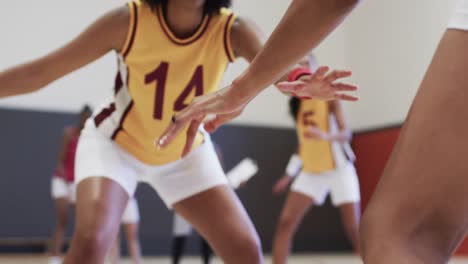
(120, 15)
(246, 38)
(243, 26)
(116, 23)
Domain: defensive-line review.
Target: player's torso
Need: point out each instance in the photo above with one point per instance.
(316, 155)
(160, 75)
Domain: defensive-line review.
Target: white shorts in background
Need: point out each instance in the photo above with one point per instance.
(180, 226)
(342, 184)
(459, 19)
(98, 156)
(62, 189)
(131, 214)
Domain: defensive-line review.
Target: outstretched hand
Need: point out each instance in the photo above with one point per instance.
(322, 84)
(228, 103)
(224, 105)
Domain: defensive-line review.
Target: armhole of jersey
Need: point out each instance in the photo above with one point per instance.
(227, 38)
(132, 7)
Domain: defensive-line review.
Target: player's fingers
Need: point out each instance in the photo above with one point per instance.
(341, 87)
(320, 72)
(290, 87)
(213, 124)
(178, 123)
(336, 74)
(191, 134)
(346, 97)
(169, 134)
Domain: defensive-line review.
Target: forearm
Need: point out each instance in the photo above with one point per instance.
(32, 76)
(341, 136)
(305, 24)
(19, 80)
(105, 34)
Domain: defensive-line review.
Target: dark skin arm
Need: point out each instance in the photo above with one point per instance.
(304, 26)
(344, 133)
(247, 43)
(105, 34)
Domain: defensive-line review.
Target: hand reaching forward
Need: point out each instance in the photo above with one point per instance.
(321, 85)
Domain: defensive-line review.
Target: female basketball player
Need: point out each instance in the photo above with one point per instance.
(169, 51)
(321, 129)
(64, 192)
(418, 213)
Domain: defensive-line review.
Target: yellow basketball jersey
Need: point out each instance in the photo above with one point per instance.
(159, 75)
(316, 155)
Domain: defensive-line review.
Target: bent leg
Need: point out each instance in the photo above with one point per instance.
(292, 214)
(218, 216)
(419, 213)
(99, 208)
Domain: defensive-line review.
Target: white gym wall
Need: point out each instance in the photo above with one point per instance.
(387, 44)
(389, 47)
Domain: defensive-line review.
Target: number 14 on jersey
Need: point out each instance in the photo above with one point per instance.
(159, 77)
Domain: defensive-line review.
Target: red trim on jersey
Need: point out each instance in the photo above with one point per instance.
(118, 83)
(199, 32)
(134, 29)
(105, 113)
(124, 116)
(226, 37)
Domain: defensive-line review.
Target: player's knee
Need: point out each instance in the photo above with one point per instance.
(249, 248)
(286, 224)
(94, 233)
(91, 241)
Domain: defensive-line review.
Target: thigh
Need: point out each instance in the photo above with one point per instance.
(100, 205)
(424, 184)
(62, 205)
(350, 214)
(295, 207)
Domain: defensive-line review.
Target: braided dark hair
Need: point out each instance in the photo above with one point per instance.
(294, 105)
